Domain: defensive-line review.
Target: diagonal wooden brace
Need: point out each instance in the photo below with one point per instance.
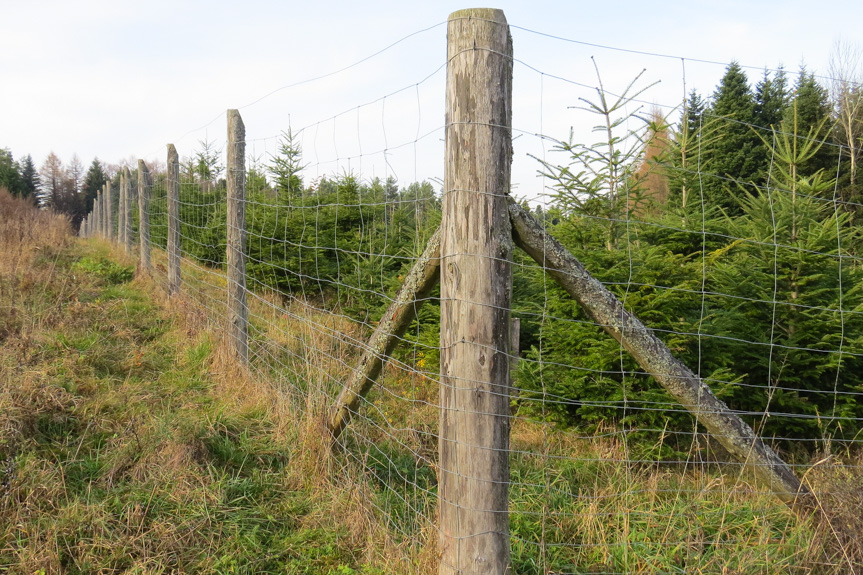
(418, 284)
(655, 358)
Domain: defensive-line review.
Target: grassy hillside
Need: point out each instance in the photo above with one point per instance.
(129, 443)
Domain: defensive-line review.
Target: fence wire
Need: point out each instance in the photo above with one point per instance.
(753, 281)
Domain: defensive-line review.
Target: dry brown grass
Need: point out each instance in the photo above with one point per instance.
(26, 231)
(579, 493)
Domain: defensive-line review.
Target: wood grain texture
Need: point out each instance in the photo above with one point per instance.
(238, 319)
(476, 289)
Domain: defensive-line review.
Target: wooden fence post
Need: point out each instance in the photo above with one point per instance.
(121, 210)
(127, 210)
(173, 220)
(238, 322)
(476, 289)
(97, 215)
(109, 220)
(143, 217)
(105, 221)
(96, 228)
(100, 225)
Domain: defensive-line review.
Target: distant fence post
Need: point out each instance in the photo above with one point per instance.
(143, 217)
(476, 289)
(173, 220)
(96, 226)
(95, 230)
(100, 225)
(121, 210)
(238, 326)
(97, 213)
(109, 220)
(127, 210)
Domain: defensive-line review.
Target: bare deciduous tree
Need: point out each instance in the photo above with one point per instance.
(846, 71)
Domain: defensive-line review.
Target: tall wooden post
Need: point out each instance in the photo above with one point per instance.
(103, 208)
(127, 210)
(476, 288)
(173, 220)
(236, 236)
(99, 228)
(97, 214)
(121, 218)
(143, 217)
(109, 220)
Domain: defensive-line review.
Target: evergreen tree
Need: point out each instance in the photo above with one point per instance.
(207, 165)
(733, 154)
(285, 167)
(29, 178)
(693, 113)
(10, 178)
(687, 153)
(94, 179)
(811, 105)
(598, 180)
(771, 100)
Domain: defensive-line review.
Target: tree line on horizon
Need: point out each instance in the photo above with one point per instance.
(732, 230)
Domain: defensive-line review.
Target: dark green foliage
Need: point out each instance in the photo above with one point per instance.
(285, 167)
(747, 289)
(29, 178)
(693, 117)
(739, 271)
(93, 182)
(771, 101)
(735, 153)
(811, 105)
(10, 178)
(793, 332)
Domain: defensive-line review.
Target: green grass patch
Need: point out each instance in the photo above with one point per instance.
(121, 456)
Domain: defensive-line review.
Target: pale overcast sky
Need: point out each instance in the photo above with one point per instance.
(120, 80)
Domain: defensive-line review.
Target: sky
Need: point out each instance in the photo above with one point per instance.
(120, 80)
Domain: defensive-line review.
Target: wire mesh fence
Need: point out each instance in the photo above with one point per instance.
(727, 227)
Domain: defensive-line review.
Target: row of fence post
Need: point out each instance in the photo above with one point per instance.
(99, 222)
(476, 270)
